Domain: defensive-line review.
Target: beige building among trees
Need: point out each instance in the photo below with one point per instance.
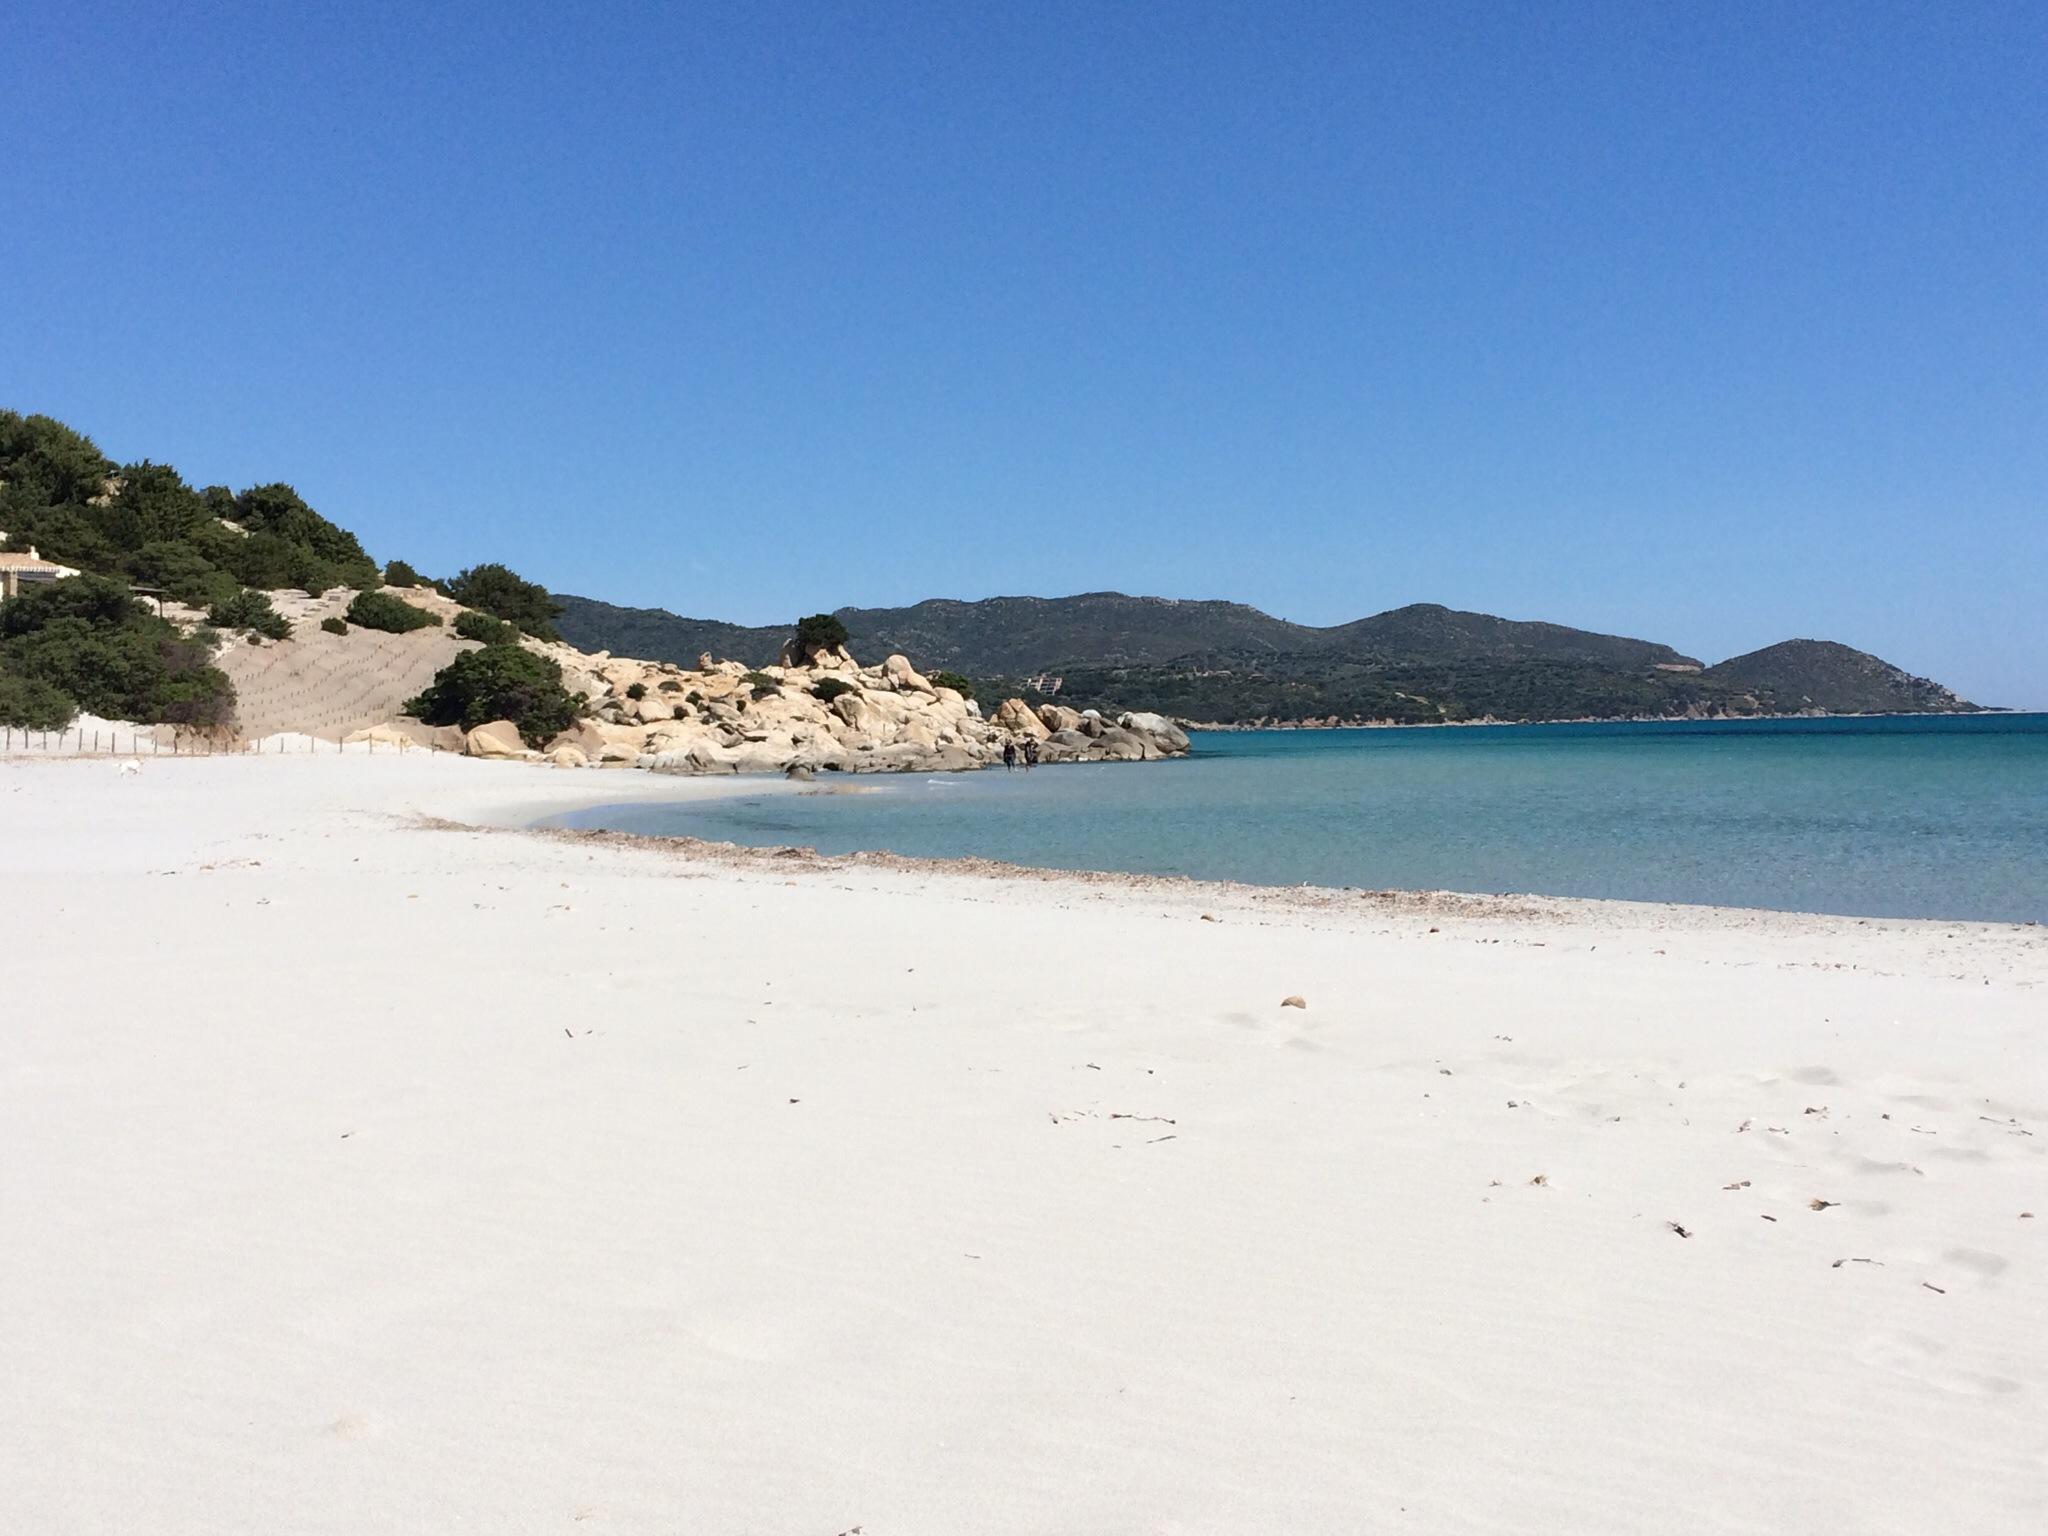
(20, 569)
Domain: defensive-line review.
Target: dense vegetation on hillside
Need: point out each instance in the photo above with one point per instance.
(142, 524)
(504, 594)
(658, 635)
(1315, 688)
(1021, 636)
(86, 643)
(1807, 674)
(1228, 663)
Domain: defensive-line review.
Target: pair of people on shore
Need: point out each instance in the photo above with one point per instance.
(1010, 755)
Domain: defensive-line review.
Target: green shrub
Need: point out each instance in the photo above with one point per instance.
(331, 555)
(829, 688)
(47, 460)
(398, 574)
(393, 615)
(636, 691)
(471, 625)
(182, 573)
(91, 643)
(334, 624)
(252, 611)
(31, 703)
(964, 686)
(499, 682)
(819, 632)
(498, 590)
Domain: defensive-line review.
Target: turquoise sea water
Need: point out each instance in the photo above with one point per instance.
(1902, 817)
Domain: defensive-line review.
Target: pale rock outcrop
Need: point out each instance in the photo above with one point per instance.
(858, 711)
(585, 736)
(589, 682)
(1120, 745)
(895, 708)
(1057, 718)
(386, 735)
(904, 678)
(700, 757)
(1015, 715)
(822, 658)
(568, 757)
(498, 739)
(1161, 731)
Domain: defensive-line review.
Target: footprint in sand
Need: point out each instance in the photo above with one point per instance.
(1919, 1359)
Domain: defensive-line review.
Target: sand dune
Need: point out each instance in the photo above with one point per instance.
(360, 1176)
(328, 685)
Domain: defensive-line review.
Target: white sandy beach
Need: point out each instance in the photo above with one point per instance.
(362, 1176)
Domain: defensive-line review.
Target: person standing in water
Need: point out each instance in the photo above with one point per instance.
(1030, 753)
(1009, 757)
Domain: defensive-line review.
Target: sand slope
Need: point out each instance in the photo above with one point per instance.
(361, 1178)
(328, 685)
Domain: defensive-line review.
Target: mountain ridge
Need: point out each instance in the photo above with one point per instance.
(1100, 628)
(1218, 660)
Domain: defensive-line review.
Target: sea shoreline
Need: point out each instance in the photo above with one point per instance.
(1438, 725)
(1298, 894)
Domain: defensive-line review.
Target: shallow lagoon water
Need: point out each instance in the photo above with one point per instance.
(1878, 817)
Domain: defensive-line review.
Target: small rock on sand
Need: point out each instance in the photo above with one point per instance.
(1296, 1001)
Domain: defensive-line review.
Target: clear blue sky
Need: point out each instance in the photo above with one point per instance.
(1712, 324)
